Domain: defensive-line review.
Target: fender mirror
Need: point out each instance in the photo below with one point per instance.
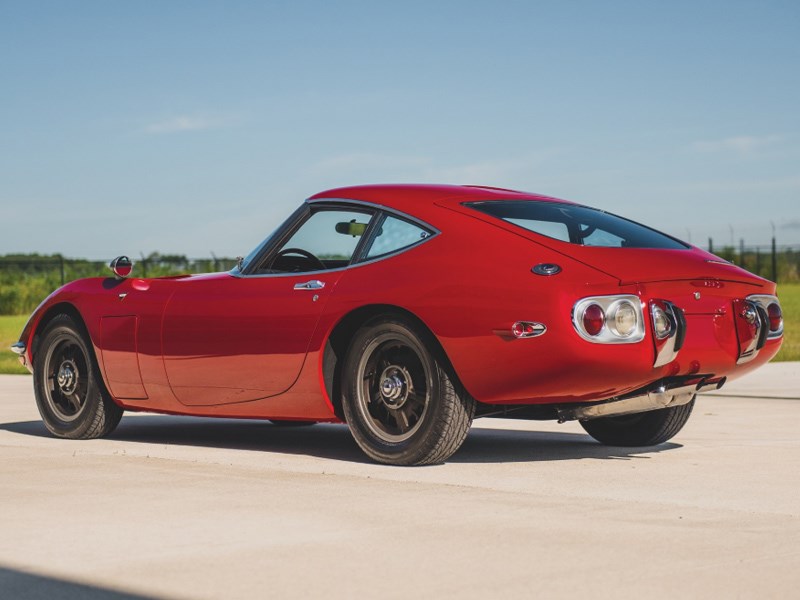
(121, 267)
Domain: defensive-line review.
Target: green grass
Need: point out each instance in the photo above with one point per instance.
(10, 328)
(789, 294)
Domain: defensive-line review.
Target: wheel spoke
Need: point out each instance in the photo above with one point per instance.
(402, 420)
(416, 404)
(74, 401)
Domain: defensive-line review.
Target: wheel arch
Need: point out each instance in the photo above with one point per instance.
(61, 308)
(338, 343)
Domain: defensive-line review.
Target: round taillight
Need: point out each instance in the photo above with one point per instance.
(661, 323)
(593, 319)
(750, 314)
(775, 315)
(624, 319)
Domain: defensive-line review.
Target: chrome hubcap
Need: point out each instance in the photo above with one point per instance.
(67, 377)
(394, 386)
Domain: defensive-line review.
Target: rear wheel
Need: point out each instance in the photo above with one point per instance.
(401, 403)
(70, 393)
(641, 429)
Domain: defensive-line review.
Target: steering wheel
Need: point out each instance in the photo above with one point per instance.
(301, 252)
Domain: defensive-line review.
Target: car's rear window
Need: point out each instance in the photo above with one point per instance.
(577, 224)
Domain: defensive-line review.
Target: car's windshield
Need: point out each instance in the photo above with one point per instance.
(577, 224)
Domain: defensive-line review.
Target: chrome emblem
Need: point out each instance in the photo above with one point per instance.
(697, 295)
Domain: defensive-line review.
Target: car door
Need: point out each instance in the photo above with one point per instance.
(236, 337)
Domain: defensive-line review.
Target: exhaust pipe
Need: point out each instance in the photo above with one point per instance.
(661, 395)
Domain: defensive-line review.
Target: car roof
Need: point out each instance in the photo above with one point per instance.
(416, 198)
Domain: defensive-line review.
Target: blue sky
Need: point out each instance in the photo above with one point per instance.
(196, 127)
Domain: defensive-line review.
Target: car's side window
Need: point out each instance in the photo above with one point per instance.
(326, 240)
(603, 239)
(553, 229)
(395, 234)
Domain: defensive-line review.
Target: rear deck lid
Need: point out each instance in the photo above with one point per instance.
(644, 265)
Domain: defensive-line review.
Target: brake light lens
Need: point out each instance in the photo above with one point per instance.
(775, 315)
(593, 319)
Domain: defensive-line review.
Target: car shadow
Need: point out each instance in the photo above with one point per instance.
(333, 441)
(21, 585)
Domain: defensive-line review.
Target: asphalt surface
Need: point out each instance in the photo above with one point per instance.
(173, 507)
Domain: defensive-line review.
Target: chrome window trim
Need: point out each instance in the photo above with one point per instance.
(355, 260)
(382, 208)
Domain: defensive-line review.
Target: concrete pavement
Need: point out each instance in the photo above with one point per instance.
(173, 507)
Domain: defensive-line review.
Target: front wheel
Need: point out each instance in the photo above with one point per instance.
(401, 403)
(641, 429)
(69, 392)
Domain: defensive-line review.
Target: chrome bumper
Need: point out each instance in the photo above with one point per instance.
(661, 395)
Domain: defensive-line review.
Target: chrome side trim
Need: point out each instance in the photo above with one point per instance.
(19, 348)
(536, 329)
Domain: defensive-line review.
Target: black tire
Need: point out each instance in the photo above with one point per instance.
(70, 393)
(401, 403)
(642, 429)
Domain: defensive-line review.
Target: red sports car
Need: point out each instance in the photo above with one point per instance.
(406, 311)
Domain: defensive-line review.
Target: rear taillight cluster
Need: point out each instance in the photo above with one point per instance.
(669, 330)
(758, 318)
(619, 319)
(614, 319)
(772, 311)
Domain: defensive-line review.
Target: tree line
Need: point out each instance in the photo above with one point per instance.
(27, 279)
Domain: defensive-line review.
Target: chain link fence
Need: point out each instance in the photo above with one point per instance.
(780, 263)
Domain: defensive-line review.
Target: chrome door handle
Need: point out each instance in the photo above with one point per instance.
(314, 284)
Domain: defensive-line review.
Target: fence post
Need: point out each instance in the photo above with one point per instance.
(774, 261)
(711, 245)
